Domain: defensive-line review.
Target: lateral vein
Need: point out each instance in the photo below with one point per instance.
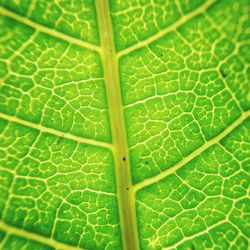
(195, 153)
(36, 237)
(168, 29)
(55, 132)
(47, 30)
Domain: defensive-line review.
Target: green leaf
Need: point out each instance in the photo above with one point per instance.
(124, 124)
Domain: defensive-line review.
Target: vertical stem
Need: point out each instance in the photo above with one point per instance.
(126, 200)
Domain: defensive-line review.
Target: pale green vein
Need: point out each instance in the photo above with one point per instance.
(125, 195)
(36, 237)
(55, 132)
(168, 29)
(47, 30)
(196, 235)
(195, 153)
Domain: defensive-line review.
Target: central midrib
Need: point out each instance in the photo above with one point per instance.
(126, 200)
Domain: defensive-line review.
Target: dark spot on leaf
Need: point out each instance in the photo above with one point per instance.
(192, 247)
(59, 140)
(124, 158)
(127, 188)
(222, 72)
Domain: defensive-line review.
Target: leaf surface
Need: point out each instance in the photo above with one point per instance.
(124, 124)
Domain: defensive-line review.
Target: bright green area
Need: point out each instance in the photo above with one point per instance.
(57, 187)
(209, 193)
(71, 17)
(184, 89)
(52, 82)
(180, 90)
(136, 20)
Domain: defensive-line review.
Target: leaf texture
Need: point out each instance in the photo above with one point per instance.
(124, 124)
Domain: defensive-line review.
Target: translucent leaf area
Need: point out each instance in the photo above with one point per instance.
(124, 124)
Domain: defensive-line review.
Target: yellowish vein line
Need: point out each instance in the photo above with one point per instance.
(195, 153)
(125, 195)
(47, 30)
(195, 235)
(36, 237)
(168, 29)
(55, 132)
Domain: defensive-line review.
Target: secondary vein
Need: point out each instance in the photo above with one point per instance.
(195, 153)
(168, 29)
(49, 31)
(36, 237)
(55, 132)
